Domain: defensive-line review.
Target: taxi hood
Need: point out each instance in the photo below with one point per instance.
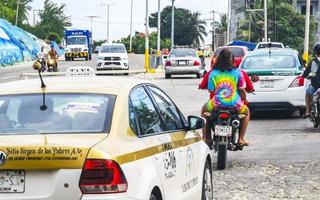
(56, 151)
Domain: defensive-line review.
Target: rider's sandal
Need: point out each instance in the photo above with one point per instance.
(305, 116)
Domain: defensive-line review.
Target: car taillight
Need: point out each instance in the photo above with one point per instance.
(100, 176)
(196, 63)
(168, 63)
(297, 82)
(224, 115)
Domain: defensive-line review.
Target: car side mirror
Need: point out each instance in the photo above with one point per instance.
(255, 78)
(165, 57)
(195, 122)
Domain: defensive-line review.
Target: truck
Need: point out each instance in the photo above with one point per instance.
(78, 44)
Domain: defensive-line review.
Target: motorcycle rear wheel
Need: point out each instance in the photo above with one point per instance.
(316, 122)
(222, 156)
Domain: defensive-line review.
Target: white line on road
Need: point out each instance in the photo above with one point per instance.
(9, 77)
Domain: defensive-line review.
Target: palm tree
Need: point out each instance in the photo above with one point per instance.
(222, 25)
(199, 27)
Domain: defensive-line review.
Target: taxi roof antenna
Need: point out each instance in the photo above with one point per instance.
(269, 46)
(37, 66)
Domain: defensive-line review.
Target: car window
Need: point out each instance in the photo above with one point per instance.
(143, 115)
(261, 46)
(59, 113)
(269, 62)
(168, 110)
(236, 52)
(182, 53)
(112, 49)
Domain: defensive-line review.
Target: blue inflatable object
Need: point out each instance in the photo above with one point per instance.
(250, 45)
(16, 45)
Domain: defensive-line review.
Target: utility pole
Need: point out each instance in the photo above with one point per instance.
(17, 12)
(130, 45)
(108, 23)
(172, 25)
(306, 36)
(159, 29)
(265, 21)
(34, 16)
(146, 52)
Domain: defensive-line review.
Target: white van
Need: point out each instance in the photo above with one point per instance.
(112, 57)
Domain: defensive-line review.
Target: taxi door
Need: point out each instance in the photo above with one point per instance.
(186, 145)
(152, 130)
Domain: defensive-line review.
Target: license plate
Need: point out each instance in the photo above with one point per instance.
(182, 63)
(12, 181)
(266, 84)
(223, 130)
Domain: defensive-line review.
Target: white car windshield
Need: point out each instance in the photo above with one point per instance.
(59, 113)
(112, 49)
(269, 62)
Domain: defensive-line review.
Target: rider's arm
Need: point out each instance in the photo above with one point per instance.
(243, 94)
(307, 71)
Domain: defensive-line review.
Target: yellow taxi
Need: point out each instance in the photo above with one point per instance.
(99, 138)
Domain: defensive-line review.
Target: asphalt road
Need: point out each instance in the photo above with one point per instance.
(282, 161)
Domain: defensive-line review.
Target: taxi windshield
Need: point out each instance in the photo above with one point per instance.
(58, 113)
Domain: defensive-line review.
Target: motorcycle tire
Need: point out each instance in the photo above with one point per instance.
(316, 122)
(222, 156)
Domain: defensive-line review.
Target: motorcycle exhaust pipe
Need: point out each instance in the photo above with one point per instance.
(235, 123)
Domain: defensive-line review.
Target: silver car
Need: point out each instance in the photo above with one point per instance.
(182, 61)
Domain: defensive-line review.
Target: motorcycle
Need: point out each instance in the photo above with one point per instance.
(224, 125)
(42, 61)
(52, 65)
(203, 62)
(315, 109)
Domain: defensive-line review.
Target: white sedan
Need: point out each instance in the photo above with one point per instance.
(280, 85)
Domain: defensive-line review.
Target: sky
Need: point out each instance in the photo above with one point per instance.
(78, 10)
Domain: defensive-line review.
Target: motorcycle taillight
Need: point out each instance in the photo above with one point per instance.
(224, 115)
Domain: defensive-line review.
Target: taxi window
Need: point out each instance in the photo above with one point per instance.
(168, 110)
(62, 113)
(269, 62)
(143, 116)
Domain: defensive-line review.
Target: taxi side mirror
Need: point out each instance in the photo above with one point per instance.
(165, 57)
(195, 122)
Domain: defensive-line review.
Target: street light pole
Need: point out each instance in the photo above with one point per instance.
(17, 12)
(172, 25)
(130, 45)
(265, 21)
(91, 19)
(229, 21)
(159, 28)
(306, 36)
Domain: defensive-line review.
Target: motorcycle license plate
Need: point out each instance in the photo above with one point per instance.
(223, 130)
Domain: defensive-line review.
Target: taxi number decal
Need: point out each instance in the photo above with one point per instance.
(170, 164)
(83, 107)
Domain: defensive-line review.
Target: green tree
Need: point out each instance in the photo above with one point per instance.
(52, 19)
(138, 43)
(189, 29)
(54, 37)
(285, 25)
(8, 10)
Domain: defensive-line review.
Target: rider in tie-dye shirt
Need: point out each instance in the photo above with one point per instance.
(228, 85)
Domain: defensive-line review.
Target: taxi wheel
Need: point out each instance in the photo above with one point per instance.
(207, 188)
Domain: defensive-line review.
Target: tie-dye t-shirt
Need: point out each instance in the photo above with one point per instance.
(224, 85)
